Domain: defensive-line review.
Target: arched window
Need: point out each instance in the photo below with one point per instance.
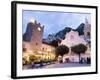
(88, 33)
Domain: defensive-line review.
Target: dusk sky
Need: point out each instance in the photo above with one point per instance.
(54, 21)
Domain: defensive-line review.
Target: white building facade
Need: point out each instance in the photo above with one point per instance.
(71, 39)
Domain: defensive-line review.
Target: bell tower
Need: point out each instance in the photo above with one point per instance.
(87, 30)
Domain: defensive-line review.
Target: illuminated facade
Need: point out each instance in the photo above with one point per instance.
(33, 39)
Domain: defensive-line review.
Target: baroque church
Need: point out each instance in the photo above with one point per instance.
(73, 38)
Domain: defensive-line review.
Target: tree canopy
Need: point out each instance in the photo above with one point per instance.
(61, 50)
(81, 48)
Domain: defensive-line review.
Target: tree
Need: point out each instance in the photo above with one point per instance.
(61, 50)
(79, 49)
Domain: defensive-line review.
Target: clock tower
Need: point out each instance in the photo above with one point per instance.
(37, 35)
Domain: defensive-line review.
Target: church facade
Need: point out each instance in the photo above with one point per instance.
(73, 38)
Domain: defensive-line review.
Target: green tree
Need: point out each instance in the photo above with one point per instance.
(79, 49)
(61, 50)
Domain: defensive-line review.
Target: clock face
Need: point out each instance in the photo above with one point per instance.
(39, 29)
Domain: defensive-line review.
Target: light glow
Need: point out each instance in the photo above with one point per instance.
(39, 29)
